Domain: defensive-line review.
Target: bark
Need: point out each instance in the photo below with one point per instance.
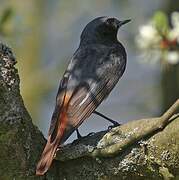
(169, 85)
(140, 149)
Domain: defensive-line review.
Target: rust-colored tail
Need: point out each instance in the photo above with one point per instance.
(54, 140)
(47, 156)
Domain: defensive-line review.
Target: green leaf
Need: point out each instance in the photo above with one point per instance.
(160, 21)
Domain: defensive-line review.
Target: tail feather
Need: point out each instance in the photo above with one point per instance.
(47, 157)
(54, 140)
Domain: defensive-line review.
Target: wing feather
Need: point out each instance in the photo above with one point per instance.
(77, 112)
(87, 82)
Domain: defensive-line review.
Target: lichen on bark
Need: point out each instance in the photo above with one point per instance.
(20, 141)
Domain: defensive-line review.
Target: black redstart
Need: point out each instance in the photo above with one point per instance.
(92, 73)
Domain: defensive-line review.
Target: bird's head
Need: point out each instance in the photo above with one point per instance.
(102, 30)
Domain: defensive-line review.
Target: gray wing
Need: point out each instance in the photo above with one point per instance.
(92, 74)
(99, 74)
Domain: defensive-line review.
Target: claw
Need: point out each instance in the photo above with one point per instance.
(79, 137)
(115, 124)
(90, 134)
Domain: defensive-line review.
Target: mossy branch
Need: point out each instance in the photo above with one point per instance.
(110, 143)
(140, 149)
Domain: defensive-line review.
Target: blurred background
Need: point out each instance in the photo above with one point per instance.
(44, 35)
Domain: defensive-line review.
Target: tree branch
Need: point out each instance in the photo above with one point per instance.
(140, 149)
(108, 144)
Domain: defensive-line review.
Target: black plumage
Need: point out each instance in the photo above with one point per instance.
(92, 73)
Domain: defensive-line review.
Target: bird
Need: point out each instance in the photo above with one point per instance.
(93, 71)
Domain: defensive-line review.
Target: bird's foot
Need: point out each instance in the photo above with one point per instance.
(79, 136)
(115, 124)
(90, 134)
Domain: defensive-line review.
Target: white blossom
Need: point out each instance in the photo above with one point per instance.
(174, 32)
(172, 57)
(175, 19)
(155, 48)
(148, 36)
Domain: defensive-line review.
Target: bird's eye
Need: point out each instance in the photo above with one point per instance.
(110, 21)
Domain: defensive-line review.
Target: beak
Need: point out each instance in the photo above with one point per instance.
(123, 22)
